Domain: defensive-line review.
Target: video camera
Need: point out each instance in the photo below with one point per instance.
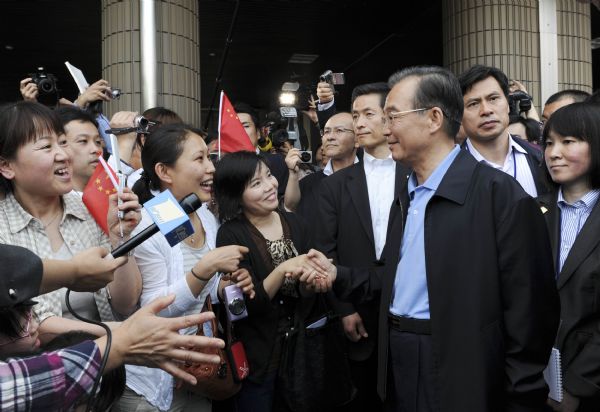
(141, 126)
(519, 102)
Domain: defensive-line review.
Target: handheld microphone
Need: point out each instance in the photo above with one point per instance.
(176, 227)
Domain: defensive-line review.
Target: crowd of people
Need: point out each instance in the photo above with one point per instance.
(441, 244)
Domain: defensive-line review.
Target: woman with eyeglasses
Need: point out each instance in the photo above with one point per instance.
(19, 338)
(572, 158)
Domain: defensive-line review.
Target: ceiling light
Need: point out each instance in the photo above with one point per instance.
(299, 58)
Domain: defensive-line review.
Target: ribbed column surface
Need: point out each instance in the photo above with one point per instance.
(574, 45)
(494, 33)
(177, 51)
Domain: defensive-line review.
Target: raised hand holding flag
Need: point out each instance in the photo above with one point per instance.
(95, 195)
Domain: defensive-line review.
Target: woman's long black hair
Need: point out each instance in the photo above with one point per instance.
(233, 173)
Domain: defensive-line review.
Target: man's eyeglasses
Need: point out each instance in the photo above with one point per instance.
(336, 131)
(391, 117)
(25, 332)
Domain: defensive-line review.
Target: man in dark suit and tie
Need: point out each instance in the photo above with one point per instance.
(468, 308)
(353, 211)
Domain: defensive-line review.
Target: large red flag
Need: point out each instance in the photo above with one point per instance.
(232, 135)
(96, 192)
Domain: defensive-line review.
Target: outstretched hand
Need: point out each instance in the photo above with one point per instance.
(149, 340)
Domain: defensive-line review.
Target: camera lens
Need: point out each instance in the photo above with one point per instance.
(115, 93)
(305, 157)
(237, 306)
(46, 86)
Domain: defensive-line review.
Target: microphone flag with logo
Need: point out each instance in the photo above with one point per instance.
(232, 135)
(101, 185)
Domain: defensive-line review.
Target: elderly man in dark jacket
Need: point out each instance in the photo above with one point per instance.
(469, 308)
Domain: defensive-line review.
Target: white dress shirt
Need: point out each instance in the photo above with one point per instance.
(162, 272)
(328, 171)
(381, 179)
(515, 165)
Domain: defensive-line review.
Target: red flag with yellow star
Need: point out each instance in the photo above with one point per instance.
(96, 192)
(232, 135)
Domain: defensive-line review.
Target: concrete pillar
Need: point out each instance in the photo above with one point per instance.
(494, 33)
(574, 45)
(530, 40)
(177, 55)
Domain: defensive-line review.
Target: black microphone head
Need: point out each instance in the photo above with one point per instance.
(190, 203)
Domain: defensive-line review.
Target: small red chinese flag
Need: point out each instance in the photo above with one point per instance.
(232, 135)
(96, 192)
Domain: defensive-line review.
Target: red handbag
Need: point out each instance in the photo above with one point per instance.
(223, 380)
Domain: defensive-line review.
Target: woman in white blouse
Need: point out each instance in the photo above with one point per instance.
(175, 157)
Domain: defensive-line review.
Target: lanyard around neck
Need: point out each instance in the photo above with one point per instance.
(514, 155)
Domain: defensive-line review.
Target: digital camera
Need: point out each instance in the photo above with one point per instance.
(46, 82)
(114, 94)
(305, 156)
(234, 303)
(333, 78)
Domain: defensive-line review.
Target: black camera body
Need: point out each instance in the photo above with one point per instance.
(47, 83)
(305, 156)
(519, 102)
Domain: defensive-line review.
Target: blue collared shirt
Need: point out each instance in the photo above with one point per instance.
(572, 219)
(103, 125)
(410, 296)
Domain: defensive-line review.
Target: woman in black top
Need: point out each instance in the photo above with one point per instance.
(246, 195)
(572, 212)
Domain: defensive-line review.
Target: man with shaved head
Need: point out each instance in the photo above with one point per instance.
(339, 144)
(560, 99)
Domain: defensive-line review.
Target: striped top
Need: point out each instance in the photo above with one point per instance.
(572, 219)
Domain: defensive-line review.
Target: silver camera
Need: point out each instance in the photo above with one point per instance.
(333, 78)
(234, 303)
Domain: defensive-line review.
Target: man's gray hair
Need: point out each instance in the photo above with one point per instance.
(438, 87)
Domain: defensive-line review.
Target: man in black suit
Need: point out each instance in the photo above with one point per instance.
(353, 211)
(469, 309)
(485, 121)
